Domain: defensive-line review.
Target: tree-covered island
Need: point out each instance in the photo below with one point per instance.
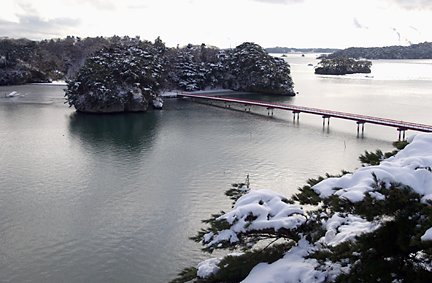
(342, 66)
(127, 76)
(413, 51)
(119, 78)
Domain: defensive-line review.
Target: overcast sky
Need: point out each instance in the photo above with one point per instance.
(225, 23)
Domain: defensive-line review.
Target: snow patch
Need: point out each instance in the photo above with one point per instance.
(208, 267)
(341, 228)
(294, 268)
(427, 236)
(258, 210)
(411, 167)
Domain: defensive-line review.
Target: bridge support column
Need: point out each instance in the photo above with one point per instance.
(402, 132)
(269, 111)
(328, 120)
(358, 128)
(296, 115)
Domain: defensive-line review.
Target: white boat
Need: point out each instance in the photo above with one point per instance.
(12, 94)
(157, 103)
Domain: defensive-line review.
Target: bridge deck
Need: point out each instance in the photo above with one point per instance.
(360, 119)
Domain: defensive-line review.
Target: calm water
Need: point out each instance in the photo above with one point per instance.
(114, 198)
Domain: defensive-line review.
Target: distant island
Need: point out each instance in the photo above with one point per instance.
(342, 66)
(413, 51)
(300, 50)
(26, 61)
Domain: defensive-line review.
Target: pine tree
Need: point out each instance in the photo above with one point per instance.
(383, 234)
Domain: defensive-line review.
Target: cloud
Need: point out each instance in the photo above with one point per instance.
(137, 6)
(98, 4)
(30, 24)
(279, 1)
(34, 27)
(414, 4)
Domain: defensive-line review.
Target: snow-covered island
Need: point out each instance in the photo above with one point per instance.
(123, 77)
(371, 225)
(342, 66)
(129, 74)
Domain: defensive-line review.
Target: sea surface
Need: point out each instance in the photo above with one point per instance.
(114, 198)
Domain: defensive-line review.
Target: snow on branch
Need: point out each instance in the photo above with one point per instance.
(259, 211)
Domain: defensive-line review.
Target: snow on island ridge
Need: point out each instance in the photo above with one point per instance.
(410, 166)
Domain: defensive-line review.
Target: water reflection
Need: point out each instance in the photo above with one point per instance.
(131, 132)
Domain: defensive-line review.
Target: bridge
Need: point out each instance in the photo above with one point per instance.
(401, 126)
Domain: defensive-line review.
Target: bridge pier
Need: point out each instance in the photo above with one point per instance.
(402, 132)
(296, 113)
(358, 128)
(328, 120)
(270, 111)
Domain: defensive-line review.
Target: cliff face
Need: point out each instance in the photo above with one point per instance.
(132, 103)
(21, 74)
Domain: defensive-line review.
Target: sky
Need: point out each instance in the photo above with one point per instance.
(226, 23)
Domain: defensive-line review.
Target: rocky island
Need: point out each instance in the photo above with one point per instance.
(119, 78)
(342, 66)
(126, 76)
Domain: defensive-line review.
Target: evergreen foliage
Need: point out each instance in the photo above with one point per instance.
(121, 77)
(252, 69)
(115, 78)
(342, 66)
(413, 51)
(25, 61)
(248, 67)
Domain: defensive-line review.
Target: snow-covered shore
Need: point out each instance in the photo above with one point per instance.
(410, 168)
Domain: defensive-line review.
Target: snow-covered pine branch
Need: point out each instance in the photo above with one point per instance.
(374, 224)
